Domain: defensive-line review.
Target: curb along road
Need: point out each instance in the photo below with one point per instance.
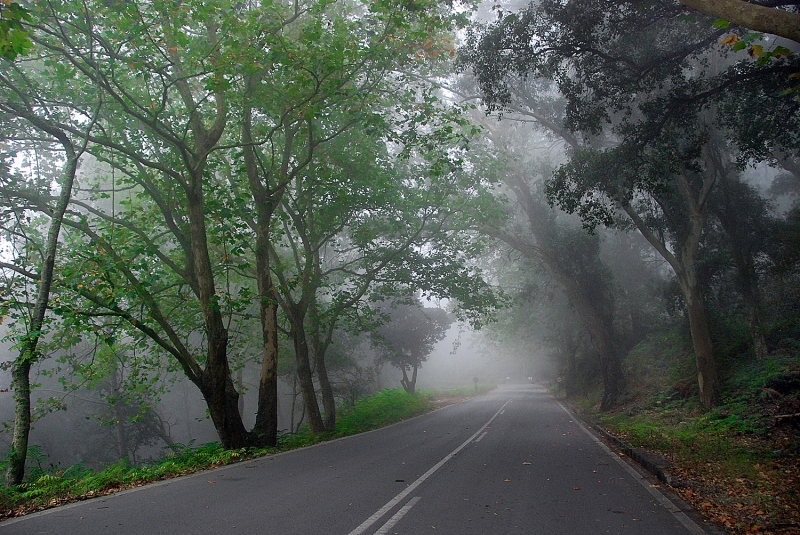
(653, 463)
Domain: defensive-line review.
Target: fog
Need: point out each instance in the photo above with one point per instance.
(71, 431)
(466, 354)
(478, 217)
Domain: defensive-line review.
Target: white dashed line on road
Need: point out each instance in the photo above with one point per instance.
(397, 499)
(397, 516)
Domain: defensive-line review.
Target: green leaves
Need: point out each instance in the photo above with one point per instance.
(580, 186)
(210, 114)
(722, 24)
(14, 39)
(756, 51)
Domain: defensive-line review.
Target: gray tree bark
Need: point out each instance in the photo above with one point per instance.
(20, 370)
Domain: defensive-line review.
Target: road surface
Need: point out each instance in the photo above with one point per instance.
(513, 461)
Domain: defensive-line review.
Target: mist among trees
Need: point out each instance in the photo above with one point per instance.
(224, 221)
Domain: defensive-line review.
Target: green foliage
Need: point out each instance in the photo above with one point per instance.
(50, 485)
(692, 437)
(648, 95)
(387, 406)
(722, 24)
(659, 357)
(161, 233)
(735, 434)
(53, 485)
(14, 40)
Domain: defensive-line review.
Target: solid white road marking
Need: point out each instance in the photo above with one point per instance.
(687, 522)
(394, 501)
(397, 516)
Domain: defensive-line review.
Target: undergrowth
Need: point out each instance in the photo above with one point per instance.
(740, 459)
(50, 486)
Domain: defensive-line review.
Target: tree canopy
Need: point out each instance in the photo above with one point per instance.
(209, 208)
(648, 94)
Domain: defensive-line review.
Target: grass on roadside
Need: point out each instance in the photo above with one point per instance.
(740, 462)
(739, 477)
(50, 487)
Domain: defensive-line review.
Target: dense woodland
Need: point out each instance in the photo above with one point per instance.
(231, 200)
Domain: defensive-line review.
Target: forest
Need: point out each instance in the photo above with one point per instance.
(230, 221)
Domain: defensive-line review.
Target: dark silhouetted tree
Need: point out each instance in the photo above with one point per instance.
(408, 336)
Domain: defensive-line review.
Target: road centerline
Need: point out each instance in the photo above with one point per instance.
(397, 516)
(397, 499)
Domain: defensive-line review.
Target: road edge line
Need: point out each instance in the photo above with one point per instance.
(683, 518)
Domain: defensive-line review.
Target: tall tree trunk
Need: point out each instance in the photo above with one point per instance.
(328, 399)
(217, 384)
(592, 312)
(707, 377)
(753, 305)
(21, 366)
(412, 386)
(20, 379)
(294, 402)
(240, 389)
(304, 372)
(684, 266)
(265, 431)
(218, 388)
(222, 400)
(319, 347)
(266, 427)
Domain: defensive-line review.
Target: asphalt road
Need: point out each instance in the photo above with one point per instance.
(513, 461)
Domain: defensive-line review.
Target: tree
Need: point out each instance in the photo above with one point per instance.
(194, 93)
(671, 217)
(568, 254)
(656, 106)
(769, 19)
(744, 218)
(400, 225)
(40, 114)
(408, 336)
(344, 86)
